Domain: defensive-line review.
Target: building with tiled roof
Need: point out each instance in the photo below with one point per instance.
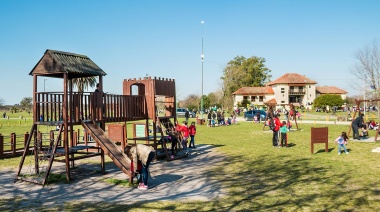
(290, 88)
(256, 95)
(320, 90)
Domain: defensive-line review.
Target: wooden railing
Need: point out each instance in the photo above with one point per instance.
(90, 106)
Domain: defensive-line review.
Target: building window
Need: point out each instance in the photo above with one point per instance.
(300, 88)
(282, 91)
(245, 97)
(261, 98)
(291, 89)
(253, 98)
(282, 102)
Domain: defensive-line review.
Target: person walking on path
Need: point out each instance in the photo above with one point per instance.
(192, 132)
(184, 129)
(342, 141)
(187, 114)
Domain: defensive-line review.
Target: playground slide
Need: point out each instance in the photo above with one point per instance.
(109, 147)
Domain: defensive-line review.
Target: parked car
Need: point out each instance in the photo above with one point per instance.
(249, 115)
(181, 113)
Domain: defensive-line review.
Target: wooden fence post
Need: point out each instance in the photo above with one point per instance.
(13, 143)
(26, 136)
(51, 139)
(1, 146)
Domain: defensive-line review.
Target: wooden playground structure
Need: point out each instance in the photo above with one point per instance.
(91, 110)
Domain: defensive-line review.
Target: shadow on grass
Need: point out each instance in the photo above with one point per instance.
(323, 150)
(264, 183)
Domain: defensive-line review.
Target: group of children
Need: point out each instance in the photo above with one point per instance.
(180, 133)
(143, 155)
(215, 119)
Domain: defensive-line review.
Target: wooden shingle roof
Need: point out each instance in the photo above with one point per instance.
(292, 78)
(329, 90)
(253, 90)
(54, 63)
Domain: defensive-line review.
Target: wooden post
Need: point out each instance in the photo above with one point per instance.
(26, 136)
(13, 143)
(51, 144)
(1, 146)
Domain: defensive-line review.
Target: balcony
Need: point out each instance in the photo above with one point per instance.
(296, 92)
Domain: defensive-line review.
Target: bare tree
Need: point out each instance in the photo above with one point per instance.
(367, 68)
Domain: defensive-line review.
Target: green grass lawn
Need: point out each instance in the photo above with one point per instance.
(259, 177)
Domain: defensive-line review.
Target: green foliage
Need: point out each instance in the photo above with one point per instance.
(206, 102)
(26, 103)
(241, 72)
(330, 100)
(244, 103)
(84, 83)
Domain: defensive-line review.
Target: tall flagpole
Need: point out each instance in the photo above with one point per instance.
(202, 58)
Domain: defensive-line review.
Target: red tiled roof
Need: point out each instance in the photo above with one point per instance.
(329, 90)
(271, 102)
(292, 78)
(253, 90)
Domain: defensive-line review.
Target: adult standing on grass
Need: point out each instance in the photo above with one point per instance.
(356, 124)
(276, 128)
(187, 114)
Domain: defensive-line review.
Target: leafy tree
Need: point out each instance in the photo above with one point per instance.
(216, 98)
(26, 103)
(84, 82)
(241, 72)
(330, 100)
(192, 101)
(206, 102)
(244, 103)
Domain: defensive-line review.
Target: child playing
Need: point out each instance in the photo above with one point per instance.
(289, 125)
(144, 154)
(342, 141)
(284, 137)
(192, 132)
(185, 135)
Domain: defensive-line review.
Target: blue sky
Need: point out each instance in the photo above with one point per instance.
(132, 39)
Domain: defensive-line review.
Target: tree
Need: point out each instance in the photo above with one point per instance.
(1, 102)
(26, 103)
(241, 72)
(84, 82)
(367, 68)
(216, 98)
(191, 102)
(330, 100)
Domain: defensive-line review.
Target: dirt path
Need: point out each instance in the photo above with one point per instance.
(175, 180)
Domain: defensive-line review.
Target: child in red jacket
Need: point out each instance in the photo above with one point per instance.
(192, 132)
(185, 135)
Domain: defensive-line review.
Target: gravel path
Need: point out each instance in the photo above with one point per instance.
(183, 179)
